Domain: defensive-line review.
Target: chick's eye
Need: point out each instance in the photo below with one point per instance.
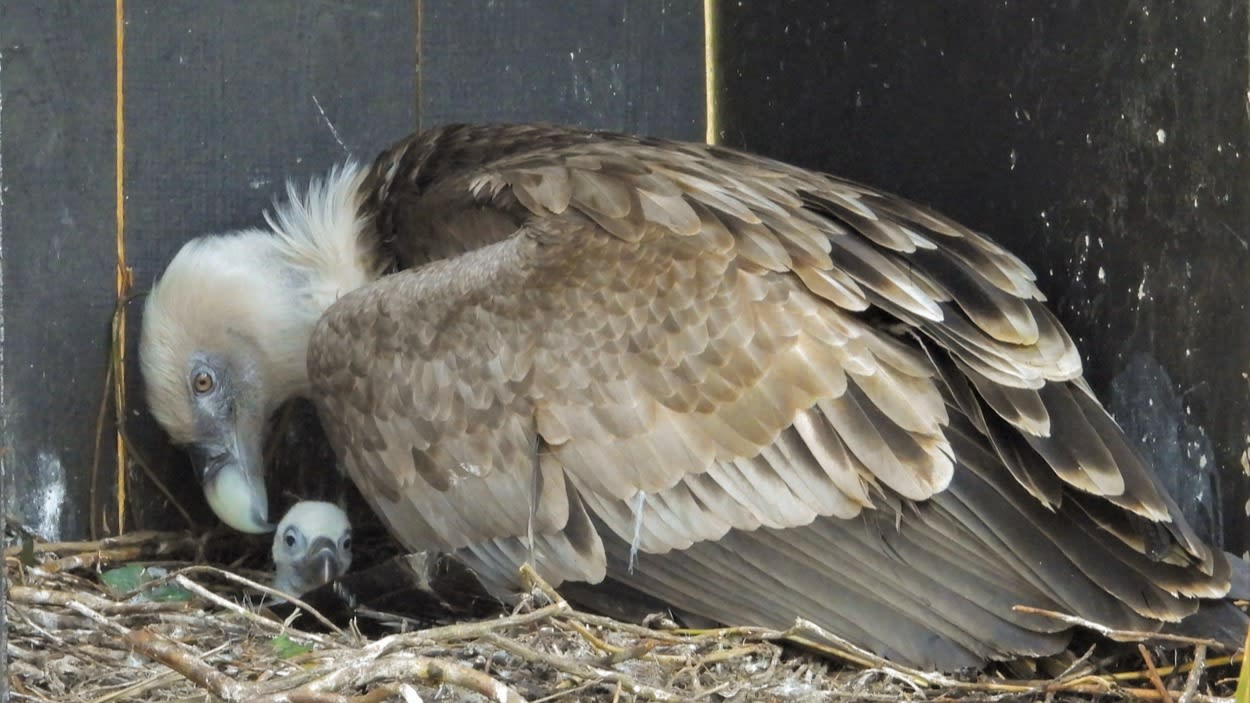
(347, 543)
(202, 382)
(289, 539)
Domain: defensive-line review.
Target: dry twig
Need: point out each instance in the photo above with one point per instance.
(1195, 675)
(585, 672)
(1154, 674)
(1118, 635)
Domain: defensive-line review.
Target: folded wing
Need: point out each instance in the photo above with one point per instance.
(776, 392)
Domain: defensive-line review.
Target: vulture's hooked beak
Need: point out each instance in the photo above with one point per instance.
(230, 474)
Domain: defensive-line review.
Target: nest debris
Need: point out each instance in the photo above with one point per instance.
(194, 633)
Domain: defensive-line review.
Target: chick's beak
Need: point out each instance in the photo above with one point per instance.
(323, 564)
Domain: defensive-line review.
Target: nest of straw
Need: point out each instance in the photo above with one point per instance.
(193, 632)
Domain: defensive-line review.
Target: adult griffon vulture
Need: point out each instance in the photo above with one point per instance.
(750, 390)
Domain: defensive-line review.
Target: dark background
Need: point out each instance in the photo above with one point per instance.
(1105, 143)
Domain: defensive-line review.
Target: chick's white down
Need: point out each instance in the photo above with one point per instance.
(312, 546)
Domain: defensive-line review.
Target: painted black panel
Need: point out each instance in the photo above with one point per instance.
(223, 102)
(628, 65)
(58, 234)
(1105, 143)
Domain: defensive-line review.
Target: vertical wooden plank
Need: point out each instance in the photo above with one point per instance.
(225, 101)
(56, 266)
(1104, 143)
(631, 65)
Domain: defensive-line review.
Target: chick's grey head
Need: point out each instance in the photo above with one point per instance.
(312, 546)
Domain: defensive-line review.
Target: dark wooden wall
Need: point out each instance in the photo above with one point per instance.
(627, 65)
(57, 248)
(222, 102)
(1103, 142)
(1106, 143)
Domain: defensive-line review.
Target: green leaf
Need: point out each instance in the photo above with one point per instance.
(132, 577)
(124, 579)
(286, 648)
(167, 593)
(28, 551)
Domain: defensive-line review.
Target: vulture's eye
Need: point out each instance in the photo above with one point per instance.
(202, 382)
(289, 539)
(347, 544)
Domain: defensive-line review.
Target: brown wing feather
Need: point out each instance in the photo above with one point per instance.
(686, 343)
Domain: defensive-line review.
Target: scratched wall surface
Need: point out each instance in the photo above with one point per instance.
(56, 249)
(1104, 142)
(223, 102)
(628, 65)
(221, 105)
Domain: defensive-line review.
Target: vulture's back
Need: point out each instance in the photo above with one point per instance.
(749, 390)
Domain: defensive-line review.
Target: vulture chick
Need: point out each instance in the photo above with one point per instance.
(746, 389)
(311, 547)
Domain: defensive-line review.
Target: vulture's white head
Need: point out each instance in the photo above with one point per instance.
(313, 546)
(226, 329)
